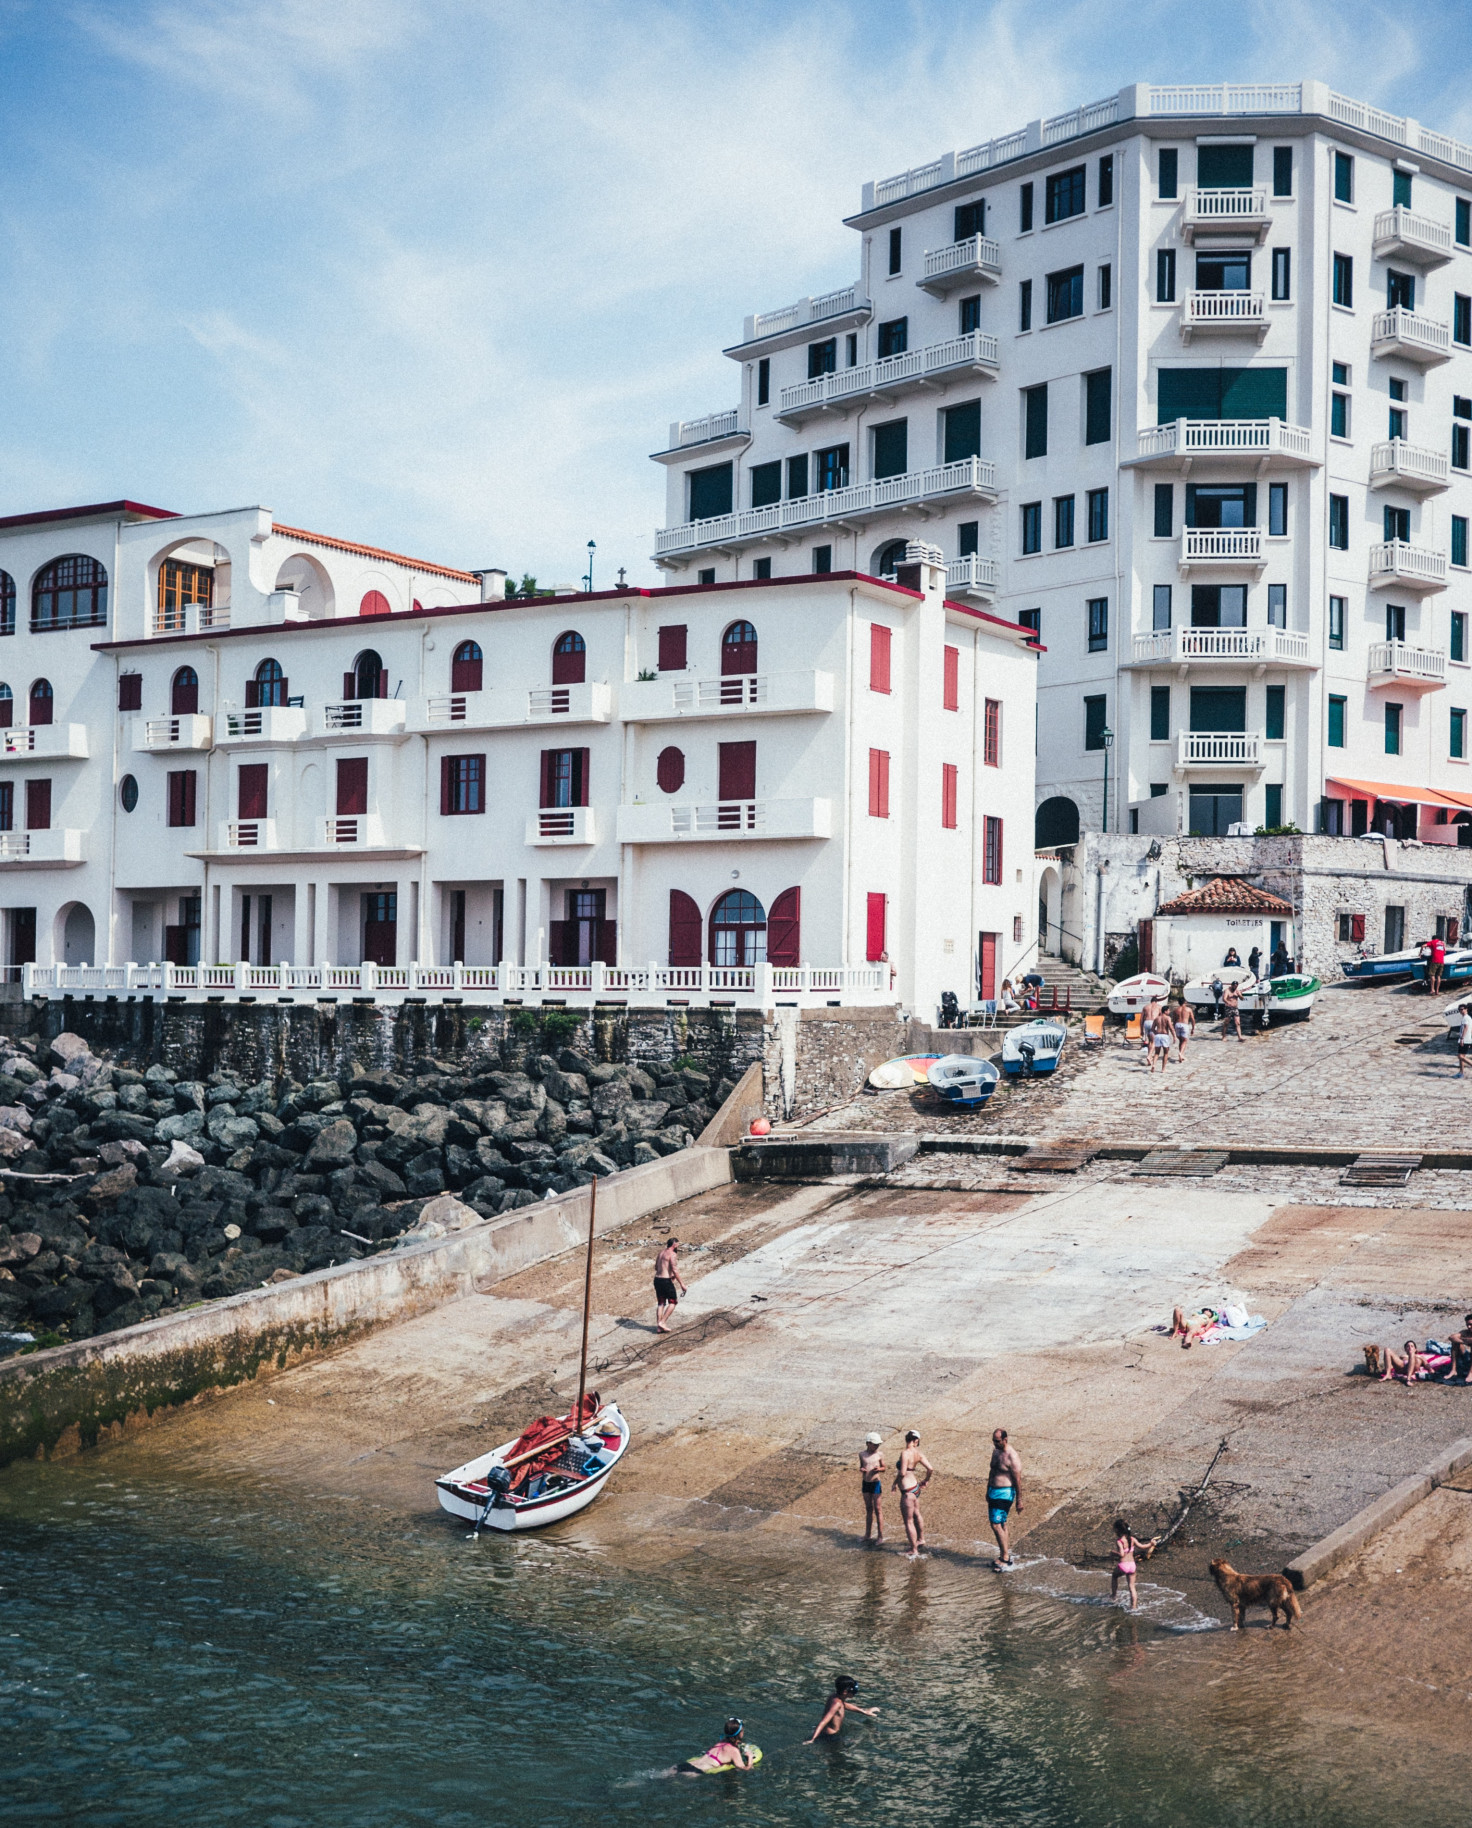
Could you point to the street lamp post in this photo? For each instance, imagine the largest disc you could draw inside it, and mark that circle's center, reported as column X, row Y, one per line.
column 1108, row 745
column 588, row 581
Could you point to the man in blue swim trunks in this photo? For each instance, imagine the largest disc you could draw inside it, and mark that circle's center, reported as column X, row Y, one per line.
column 1003, row 1491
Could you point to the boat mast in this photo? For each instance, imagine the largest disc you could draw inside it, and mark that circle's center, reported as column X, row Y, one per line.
column 577, row 1414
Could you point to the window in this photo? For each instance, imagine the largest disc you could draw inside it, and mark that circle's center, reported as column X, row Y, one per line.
column 1282, row 171
column 710, row 492
column 1339, row 522
column 797, row 477
column 1221, row 504
column 894, row 337
column 1457, row 747
column 950, row 688
column 1224, row 272
column 832, row 468
column 764, row 381
column 891, row 448
column 1098, row 514
column 1221, row 393
column 179, row 585
column 766, row 483
column 467, row 667
column 1105, row 285
column 462, row 784
column 1165, row 276
column 1167, row 170
column 374, row 603
column 991, row 859
column 738, row 652
column 1098, row 624
column 1395, row 622
column 1094, row 722
column 822, row 358
column 41, row 704
column 1035, row 418
column 948, row 781
column 1160, row 607
column 970, row 314
column 184, row 693
column 706, row 575
column 896, row 249
column 1400, row 189
column 1216, row 708
column 69, row 593
column 1400, row 290
column 669, row 770
column 1272, row 796
column 564, row 777
column 1032, row 526
column 1278, row 509
column 878, row 783
column 1459, row 446
column 891, row 557
column 822, row 559
column 1063, row 520
column 130, row 692
column 1224, row 167
column 1339, row 415
column 1392, row 729
column 1338, row 611
column 1459, row 539
column 1024, row 305
column 851, row 350
column 1160, row 714
column 1031, row 619
column 1397, row 524
column 1275, row 715
column 569, row 659
column 1065, row 294
column 874, row 923
column 761, row 568
column 1098, row 402
column 879, row 655
column 127, row 794
column 991, row 746
column 968, row 538
column 1461, row 318
column 1459, row 635
column 1064, row 195
column 1282, row 272
column 7, row 603
column 1464, row 222
column 1165, row 496
column 1106, row 181
column 1218, row 606
column 970, row 220
column 1339, row 373
column 268, row 686
column 1344, row 281
column 673, row 645
column 1277, row 606
column 1024, row 210
column 38, row 806
column 181, row 797
column 1343, row 178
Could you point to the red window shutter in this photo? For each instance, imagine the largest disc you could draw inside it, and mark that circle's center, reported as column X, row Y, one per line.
column 951, row 697
column 251, row 792
column 879, row 637
column 581, row 772
column 986, row 967
column 1356, row 926
column 948, row 795
column 38, row 805
column 875, row 948
column 784, row 929
column 446, row 783
column 7, row 713
column 1453, row 928
column 1145, row 945
column 992, row 741
column 686, row 929
column 352, row 787
column 191, row 784
column 549, row 764
column 253, row 694
column 669, row 770
column 991, row 869
column 557, row 941
column 349, row 686
column 878, row 783
column 374, row 603
column 672, row 643
column 607, row 947
column 737, row 771
column 130, row 692
column 176, row 799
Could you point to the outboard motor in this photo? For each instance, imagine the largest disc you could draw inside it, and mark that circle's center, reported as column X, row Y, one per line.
column 1216, row 990
column 950, row 1009
column 1029, row 1054
column 498, row 1484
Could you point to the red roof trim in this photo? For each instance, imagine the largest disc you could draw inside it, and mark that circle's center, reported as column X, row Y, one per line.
column 982, row 615
column 92, row 512
column 371, row 552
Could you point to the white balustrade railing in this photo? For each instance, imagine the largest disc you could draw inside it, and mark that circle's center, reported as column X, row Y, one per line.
column 975, row 350
column 976, row 254
column 371, row 716
column 1211, row 310
column 805, row 311
column 1221, row 98
column 1410, row 332
column 264, row 723
column 701, row 431
column 1087, row 119
column 1405, row 228
column 190, row 618
column 1275, row 646
column 1218, row 749
column 720, row 816
column 248, row 835
column 1221, row 546
column 353, row 828
column 1396, row 460
column 184, row 732
column 1399, row 661
column 976, row 571
column 1226, row 208
column 1408, row 564
column 1225, row 438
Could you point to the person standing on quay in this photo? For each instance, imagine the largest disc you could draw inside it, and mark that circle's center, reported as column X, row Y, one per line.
column 666, row 1280
column 1232, row 1004
column 909, row 1484
column 1003, row 1492
column 871, row 1484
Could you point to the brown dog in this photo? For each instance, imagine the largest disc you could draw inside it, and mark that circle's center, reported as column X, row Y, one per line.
column 1275, row 1591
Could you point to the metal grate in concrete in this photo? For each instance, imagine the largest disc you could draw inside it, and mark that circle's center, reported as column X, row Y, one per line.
column 1065, row 1155
column 1380, row 1169
column 1182, row 1162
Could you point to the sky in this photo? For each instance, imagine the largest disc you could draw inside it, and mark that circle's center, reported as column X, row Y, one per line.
column 438, row 274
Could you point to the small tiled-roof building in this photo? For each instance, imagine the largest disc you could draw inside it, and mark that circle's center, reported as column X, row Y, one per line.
column 1192, row 933
column 1229, row 895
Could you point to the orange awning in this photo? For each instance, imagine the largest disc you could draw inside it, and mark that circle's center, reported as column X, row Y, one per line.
column 1401, row 795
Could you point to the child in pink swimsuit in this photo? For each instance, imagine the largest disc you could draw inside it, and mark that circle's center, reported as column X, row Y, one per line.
column 1125, row 1545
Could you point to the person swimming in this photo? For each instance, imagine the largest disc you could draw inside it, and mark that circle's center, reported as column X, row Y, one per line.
column 841, row 1703
column 730, row 1752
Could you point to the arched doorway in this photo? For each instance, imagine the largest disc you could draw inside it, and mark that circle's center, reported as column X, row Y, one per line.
column 569, row 659
column 888, row 557
column 738, row 930
column 1050, row 912
column 78, row 935
column 367, row 679
column 1056, row 824
column 184, row 693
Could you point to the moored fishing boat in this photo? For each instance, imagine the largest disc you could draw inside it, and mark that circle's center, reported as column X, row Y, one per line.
column 964, row 1079
column 1130, row 996
column 1035, row 1047
column 549, row 1471
column 1386, row 964
column 1456, row 969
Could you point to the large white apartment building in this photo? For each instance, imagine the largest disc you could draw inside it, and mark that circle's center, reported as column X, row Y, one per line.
column 1183, row 381
column 241, row 759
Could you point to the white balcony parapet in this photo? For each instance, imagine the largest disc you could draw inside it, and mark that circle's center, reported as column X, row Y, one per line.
column 675, row 695
column 860, row 500
column 682, row 822
column 1221, row 546
column 353, row 831
column 977, row 257
column 1415, row 568
column 248, row 835
column 1240, row 312
column 1259, row 440
column 1401, row 234
column 1407, row 333
column 190, row 618
column 703, row 431
column 44, row 743
column 364, row 717
column 1230, row 646
column 805, row 312
column 589, row 703
column 262, row 724
column 1219, row 749
column 975, row 575
column 187, row 732
column 845, row 388
column 60, row 845
column 562, row 825
column 1408, row 466
column 1392, row 662
column 1225, row 212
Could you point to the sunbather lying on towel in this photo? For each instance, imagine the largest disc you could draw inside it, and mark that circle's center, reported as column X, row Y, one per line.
column 1414, row 1364
column 1203, row 1323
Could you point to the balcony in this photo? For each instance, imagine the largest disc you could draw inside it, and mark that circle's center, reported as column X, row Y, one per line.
column 58, row 848
column 1418, row 339
column 562, row 825
column 682, row 823
column 44, row 743
column 973, row 576
column 1236, row 313
column 1264, row 443
column 353, row 831
column 768, row 331
column 847, row 388
column 674, row 696
column 191, row 618
column 1226, row 212
column 262, row 726
column 365, row 717
column 1410, row 669
column 962, row 263
column 159, row 734
column 714, row 432
column 1255, row 647
column 591, row 703
column 1400, row 234
column 248, row 835
column 1218, row 749
column 1413, row 568
column 860, row 501
column 1398, row 465
column 1234, row 547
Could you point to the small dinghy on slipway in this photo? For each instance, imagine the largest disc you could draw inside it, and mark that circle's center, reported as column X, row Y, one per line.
column 903, row 1074
column 1290, row 995
column 1130, row 996
column 964, row 1079
column 1386, row 964
column 1205, row 992
column 1035, row 1047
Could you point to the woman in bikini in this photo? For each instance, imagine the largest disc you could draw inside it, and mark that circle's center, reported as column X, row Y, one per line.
column 871, row 1484
column 842, row 1702
column 1125, row 1545
column 728, row 1752
column 910, row 1485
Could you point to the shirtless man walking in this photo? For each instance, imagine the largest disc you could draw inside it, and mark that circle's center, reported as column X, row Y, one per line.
column 909, row 1484
column 1003, row 1491
column 666, row 1280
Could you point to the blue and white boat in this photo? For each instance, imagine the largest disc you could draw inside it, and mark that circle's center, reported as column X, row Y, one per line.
column 964, row 1079
column 1386, row 964
column 1035, row 1047
column 1456, row 970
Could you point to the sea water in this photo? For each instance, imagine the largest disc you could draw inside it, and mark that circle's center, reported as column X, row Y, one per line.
column 189, row 1651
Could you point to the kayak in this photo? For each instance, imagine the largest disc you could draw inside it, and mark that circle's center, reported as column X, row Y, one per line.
column 964, row 1079
column 1035, row 1047
column 903, row 1073
column 1130, row 997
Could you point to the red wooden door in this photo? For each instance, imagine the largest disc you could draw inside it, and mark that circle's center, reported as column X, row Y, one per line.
column 38, row 805
column 1146, row 946
column 184, row 695
column 784, row 929
column 251, row 802
column 672, row 644
column 686, row 929
column 737, row 771
column 986, row 966
column 877, row 911
column 41, row 701
column 352, row 785
column 738, row 649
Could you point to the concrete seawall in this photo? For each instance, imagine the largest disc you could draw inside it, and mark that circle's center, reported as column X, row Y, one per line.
column 75, row 1395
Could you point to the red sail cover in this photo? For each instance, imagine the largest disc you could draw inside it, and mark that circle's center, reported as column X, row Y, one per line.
column 552, row 1430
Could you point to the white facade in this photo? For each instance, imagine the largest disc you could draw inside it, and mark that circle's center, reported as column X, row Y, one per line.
column 1099, row 359
column 341, row 755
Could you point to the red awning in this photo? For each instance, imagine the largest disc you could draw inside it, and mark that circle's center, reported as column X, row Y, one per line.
column 1400, row 794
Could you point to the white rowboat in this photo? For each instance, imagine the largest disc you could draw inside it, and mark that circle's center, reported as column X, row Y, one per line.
column 575, row 1479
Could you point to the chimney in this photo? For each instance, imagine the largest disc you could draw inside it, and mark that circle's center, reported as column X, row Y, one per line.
column 492, row 585
column 923, row 568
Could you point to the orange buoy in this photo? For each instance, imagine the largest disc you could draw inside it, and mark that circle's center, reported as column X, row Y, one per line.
column 760, row 1127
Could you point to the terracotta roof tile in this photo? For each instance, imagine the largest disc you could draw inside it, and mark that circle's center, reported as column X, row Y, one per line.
column 1227, row 895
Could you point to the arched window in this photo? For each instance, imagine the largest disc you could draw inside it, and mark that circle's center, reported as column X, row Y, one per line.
column 38, row 711
column 181, row 584
column 891, row 556
column 1055, row 823
column 7, row 603
column 374, row 603
column 738, row 649
column 669, row 770
column 466, row 667
column 69, row 593
column 738, row 930
column 7, row 707
column 569, row 659
column 367, row 679
column 184, row 693
column 268, row 687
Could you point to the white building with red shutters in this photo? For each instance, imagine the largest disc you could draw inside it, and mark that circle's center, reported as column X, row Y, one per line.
column 241, row 759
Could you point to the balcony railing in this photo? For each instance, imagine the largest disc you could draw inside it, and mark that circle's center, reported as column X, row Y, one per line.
column 976, row 575
column 806, row 311
column 187, row 732
column 1410, row 466
column 1414, row 567
column 1221, row 546
column 662, row 823
column 263, row 724
column 1219, row 749
column 562, row 825
column 248, row 835
column 1401, row 234
column 1394, row 661
column 360, row 830
column 859, row 501
column 1227, row 646
column 365, row 716
column 977, row 257
column 1220, row 212
column 1229, row 311
column 1407, row 333
column 589, row 703
column 58, row 845
column 1260, row 440
column 772, row 694
column 190, row 618
column 896, row 374
column 702, row 431
column 44, row 742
